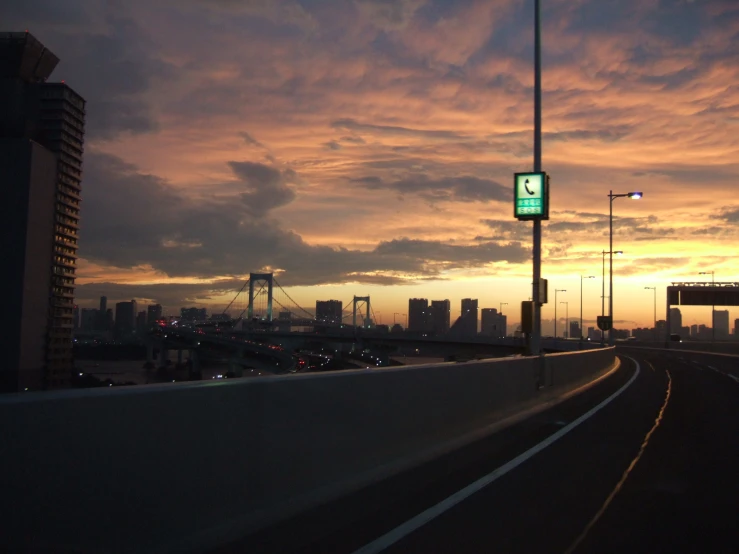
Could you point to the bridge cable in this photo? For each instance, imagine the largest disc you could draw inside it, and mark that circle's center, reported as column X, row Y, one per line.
column 235, row 297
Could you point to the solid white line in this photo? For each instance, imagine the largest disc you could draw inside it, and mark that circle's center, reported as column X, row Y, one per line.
column 405, row 529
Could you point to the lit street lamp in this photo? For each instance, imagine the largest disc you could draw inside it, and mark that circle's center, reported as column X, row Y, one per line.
column 612, row 197
column 581, row 278
column 655, row 309
column 713, row 308
column 555, row 309
column 567, row 318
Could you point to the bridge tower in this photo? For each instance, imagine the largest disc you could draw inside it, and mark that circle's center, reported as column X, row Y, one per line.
column 265, row 278
column 367, row 320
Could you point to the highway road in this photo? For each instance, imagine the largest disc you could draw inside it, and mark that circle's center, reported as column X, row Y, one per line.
column 645, row 461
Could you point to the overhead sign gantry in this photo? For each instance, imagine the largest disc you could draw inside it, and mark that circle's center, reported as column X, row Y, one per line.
column 701, row 294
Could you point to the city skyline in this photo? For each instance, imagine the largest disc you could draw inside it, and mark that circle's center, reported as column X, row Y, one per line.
column 370, row 149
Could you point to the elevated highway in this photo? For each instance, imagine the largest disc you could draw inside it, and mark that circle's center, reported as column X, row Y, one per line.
column 566, row 453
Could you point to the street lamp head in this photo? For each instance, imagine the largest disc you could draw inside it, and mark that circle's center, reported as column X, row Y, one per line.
column 634, row 195
column 619, row 252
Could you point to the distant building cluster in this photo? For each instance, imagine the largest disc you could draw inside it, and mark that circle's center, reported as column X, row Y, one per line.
column 434, row 319
column 127, row 320
column 702, row 332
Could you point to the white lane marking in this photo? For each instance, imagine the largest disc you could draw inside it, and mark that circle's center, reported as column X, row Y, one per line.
column 405, row 529
column 729, row 375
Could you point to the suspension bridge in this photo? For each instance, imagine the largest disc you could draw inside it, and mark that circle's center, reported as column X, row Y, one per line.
column 262, row 295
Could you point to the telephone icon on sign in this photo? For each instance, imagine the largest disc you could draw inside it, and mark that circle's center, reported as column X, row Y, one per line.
column 526, row 186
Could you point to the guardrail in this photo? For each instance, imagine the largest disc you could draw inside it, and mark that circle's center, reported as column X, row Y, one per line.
column 158, row 468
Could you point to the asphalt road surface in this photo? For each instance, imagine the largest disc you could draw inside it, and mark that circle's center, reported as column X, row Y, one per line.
column 646, row 461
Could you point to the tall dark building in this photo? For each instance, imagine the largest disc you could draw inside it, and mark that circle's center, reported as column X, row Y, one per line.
column 721, row 324
column 41, row 145
column 676, row 320
column 329, row 311
column 153, row 313
column 492, row 323
column 469, row 316
column 574, row 330
column 440, row 314
column 193, row 314
column 418, row 314
column 125, row 318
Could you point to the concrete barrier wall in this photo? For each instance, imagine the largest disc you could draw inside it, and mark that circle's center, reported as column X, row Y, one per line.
column 160, row 467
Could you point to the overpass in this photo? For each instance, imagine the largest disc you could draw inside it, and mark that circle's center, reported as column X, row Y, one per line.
column 570, row 452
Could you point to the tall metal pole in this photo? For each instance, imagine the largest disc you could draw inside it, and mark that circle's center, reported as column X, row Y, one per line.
column 713, row 307
column 555, row 313
column 610, row 268
column 603, row 287
column 655, row 313
column 536, row 331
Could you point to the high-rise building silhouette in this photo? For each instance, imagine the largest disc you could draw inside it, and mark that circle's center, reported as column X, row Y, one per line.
column 41, row 145
column 418, row 315
column 721, row 323
column 676, row 320
column 492, row 323
column 469, row 316
column 125, row 318
column 440, row 314
column 329, row 311
column 194, row 314
column 153, row 313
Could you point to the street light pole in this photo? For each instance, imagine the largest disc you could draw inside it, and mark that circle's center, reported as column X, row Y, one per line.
column 655, row 309
column 567, row 318
column 555, row 310
column 612, row 197
column 581, row 278
column 535, row 341
column 603, row 281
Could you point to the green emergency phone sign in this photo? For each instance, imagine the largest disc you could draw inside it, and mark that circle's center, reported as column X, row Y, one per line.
column 531, row 196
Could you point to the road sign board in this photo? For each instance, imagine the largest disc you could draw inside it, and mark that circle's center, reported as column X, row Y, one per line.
column 605, row 323
column 531, row 196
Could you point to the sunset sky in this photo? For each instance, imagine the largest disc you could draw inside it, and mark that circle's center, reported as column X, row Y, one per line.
column 368, row 147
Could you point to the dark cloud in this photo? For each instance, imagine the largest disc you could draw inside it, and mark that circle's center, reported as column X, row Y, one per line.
column 467, row 256
column 393, row 130
column 609, row 134
column 250, row 140
column 465, row 188
column 353, row 140
column 134, row 219
column 171, row 296
column 729, row 215
column 113, row 72
column 267, row 187
column 332, row 145
column 389, row 14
